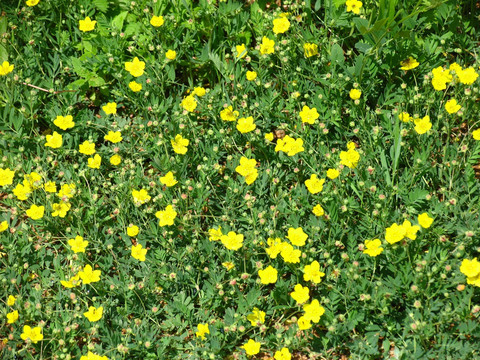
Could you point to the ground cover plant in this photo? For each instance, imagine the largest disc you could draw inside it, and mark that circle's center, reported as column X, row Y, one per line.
column 239, row 180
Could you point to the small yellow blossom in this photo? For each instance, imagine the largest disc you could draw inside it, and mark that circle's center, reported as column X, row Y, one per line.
column 232, row 240
column 452, row 107
column 113, row 137
column 424, row 220
column 228, row 114
column 87, row 24
column 300, row 294
column 167, row 216
column 241, row 51
column 171, row 54
column 310, row 49
column 12, row 317
column 33, row 334
column 409, row 64
column 6, row 68
column 132, row 230
column 267, row 46
column 169, row 179
column 268, row 275
column 136, row 68
column 134, row 86
column 355, row 94
column 373, row 247
column 78, row 245
column 95, row 162
column 312, row 272
column 64, row 122
column 180, row 144
column 245, row 125
column 115, row 160
column 138, row 252
column 110, row 108
column 157, row 21
column 88, row 275
column 54, row 141
column 257, row 317
column 94, row 314
column 35, row 212
column 251, row 347
column 202, row 330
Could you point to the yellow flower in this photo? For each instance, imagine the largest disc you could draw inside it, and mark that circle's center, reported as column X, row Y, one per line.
column 424, row 220
column 475, row 135
column 355, row 94
column 268, row 275
column 313, row 311
column 281, row 25
column 88, row 275
column 67, row 190
column 241, row 51
column 409, row 64
column 6, row 176
column 257, row 317
column 35, row 212
column 95, row 162
column 94, row 314
column 138, row 252
column 289, row 145
column 353, row 6
column 171, row 54
column 318, row 210
column 247, row 168
column 410, row 231
column 470, row 268
column 54, row 141
column 32, row 2
column 6, row 68
column 314, row 185
column 269, row 137
column 110, row 108
column 452, row 107
column 166, row 216
column 232, row 241
column 309, row 115
column 50, row 187
column 304, row 323
column 395, row 233
column 422, row 125
column 92, row 356
column 12, row 317
column 404, row 117
column 3, row 226
column 440, row 78
column 180, row 144
column 73, row 282
column 202, row 330
column 87, row 24
column 61, row 209
column 132, row 230
column 289, row 254
column 251, row 75
column 312, row 273
column 11, row 300
column 215, row 234
column 467, row 76
column 134, row 86
column 35, row 335
column 157, row 21
column 333, row 173
column 296, row 236
column 199, row 91
column 189, row 103
column 87, row 148
column 228, row 265
column 168, row 180
column 267, row 46
column 245, row 125
column 64, row 122
column 115, row 160
column 351, row 157
column 283, row 354
column 78, row 244
column 373, row 247
column 140, row 196
column 136, row 67
column 310, row 49
column 114, row 137
column 251, row 347
column 300, row 294
column 228, row 114
column 22, row 191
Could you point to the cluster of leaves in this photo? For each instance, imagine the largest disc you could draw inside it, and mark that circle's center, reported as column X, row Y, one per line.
column 411, row 301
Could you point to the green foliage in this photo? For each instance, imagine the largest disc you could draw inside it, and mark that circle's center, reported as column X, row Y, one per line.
column 411, row 301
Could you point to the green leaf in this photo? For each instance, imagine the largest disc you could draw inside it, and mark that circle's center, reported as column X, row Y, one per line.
column 117, row 22
column 336, row 55
column 101, row 5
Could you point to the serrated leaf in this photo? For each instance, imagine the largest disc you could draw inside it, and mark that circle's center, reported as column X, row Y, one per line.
column 101, row 5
